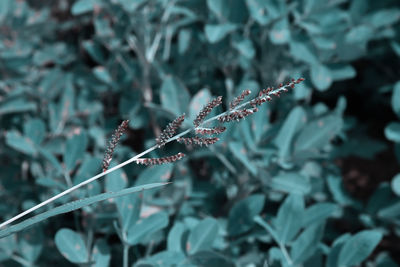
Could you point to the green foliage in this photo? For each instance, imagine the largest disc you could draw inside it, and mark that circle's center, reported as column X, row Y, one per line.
column 276, row 190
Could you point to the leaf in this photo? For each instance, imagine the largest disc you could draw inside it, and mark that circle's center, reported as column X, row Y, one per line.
column 215, row 33
column 341, row 72
column 291, row 183
column 321, row 77
column 101, row 254
column 319, row 212
column 75, row 148
column 146, row 227
column 16, row 105
column 175, row 235
column 199, row 100
column 316, row 134
column 384, row 17
column 154, row 174
column 31, row 243
column 303, row 52
column 71, row 246
column 288, row 220
column 241, row 216
column 103, row 75
column 280, row 32
column 391, row 211
column 359, row 34
column 174, row 95
column 116, row 180
column 294, row 121
column 35, row 130
column 83, row 6
column 245, row 47
column 392, row 132
column 396, row 184
column 307, row 243
column 359, row 247
column 210, row 258
column 74, row 205
column 129, row 209
column 396, row 99
column 240, row 152
column 202, row 236
column 20, row 143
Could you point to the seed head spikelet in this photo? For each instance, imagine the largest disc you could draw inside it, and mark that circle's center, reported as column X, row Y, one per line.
column 170, row 130
column 113, row 144
column 206, row 110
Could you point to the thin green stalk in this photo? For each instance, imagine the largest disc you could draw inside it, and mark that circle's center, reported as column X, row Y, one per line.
column 126, row 255
column 133, row 159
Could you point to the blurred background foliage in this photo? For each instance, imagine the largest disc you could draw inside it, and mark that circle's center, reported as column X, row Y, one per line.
column 317, row 169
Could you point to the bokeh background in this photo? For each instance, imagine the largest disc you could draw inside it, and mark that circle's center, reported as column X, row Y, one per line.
column 318, row 167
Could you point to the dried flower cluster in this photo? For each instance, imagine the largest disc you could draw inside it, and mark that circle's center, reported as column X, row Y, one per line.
column 200, row 141
column 237, row 115
column 237, row 100
column 113, row 144
column 159, row 161
column 169, row 131
column 210, row 131
column 206, row 110
column 237, row 111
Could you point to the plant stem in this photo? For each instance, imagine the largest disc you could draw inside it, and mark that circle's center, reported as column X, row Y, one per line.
column 126, row 255
column 133, row 159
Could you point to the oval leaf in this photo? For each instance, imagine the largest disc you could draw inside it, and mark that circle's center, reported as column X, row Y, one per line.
column 71, row 246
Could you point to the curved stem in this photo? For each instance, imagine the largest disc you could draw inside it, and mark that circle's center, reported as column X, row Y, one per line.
column 135, row 158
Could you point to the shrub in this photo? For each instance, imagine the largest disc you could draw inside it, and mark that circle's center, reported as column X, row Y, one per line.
column 271, row 190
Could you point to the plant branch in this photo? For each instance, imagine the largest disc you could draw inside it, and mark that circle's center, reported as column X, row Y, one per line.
column 265, row 97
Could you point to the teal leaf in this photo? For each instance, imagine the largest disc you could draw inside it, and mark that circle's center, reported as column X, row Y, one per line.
column 154, row 174
column 71, row 246
column 101, row 254
column 396, row 184
column 75, row 148
column 210, row 258
column 174, row 95
column 16, row 105
column 333, row 256
column 129, row 207
column 199, row 100
column 303, row 52
column 175, row 236
column 288, row 220
column 146, row 227
column 307, row 243
column 321, row 77
column 116, row 180
column 215, row 33
column 359, row 247
column 31, row 243
column 102, row 74
column 280, row 32
column 245, row 47
column 384, row 17
column 396, row 99
column 359, row 34
column 94, row 50
column 74, row 205
column 341, row 72
column 83, row 6
column 240, row 152
column 318, row 213
column 291, row 183
column 35, row 130
column 241, row 216
column 20, row 143
column 316, row 134
column 202, row 236
column 341, row 196
column 392, row 132
column 294, row 121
